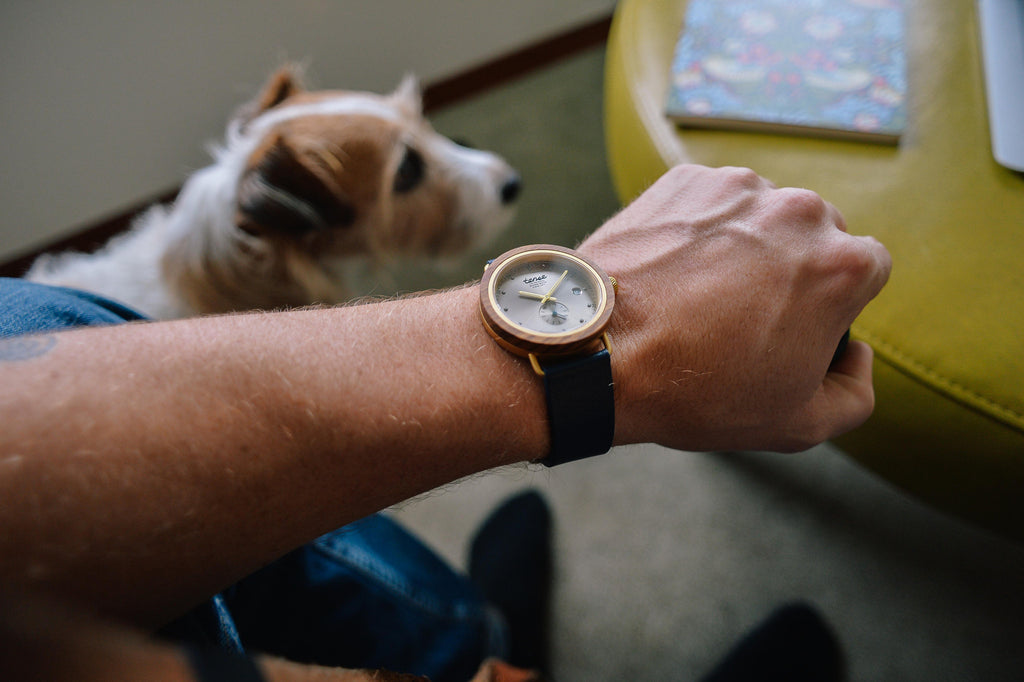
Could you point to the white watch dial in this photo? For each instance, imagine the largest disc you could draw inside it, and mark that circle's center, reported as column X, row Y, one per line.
column 552, row 295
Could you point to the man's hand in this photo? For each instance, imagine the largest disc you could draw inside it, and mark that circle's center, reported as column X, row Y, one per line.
column 732, row 297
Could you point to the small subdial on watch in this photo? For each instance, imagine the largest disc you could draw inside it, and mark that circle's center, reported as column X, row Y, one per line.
column 554, row 313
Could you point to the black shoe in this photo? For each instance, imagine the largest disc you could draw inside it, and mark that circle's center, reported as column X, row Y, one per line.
column 794, row 644
column 510, row 561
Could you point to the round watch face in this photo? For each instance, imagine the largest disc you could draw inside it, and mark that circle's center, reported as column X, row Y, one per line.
column 545, row 299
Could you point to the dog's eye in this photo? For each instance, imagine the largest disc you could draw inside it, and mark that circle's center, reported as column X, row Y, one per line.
column 410, row 171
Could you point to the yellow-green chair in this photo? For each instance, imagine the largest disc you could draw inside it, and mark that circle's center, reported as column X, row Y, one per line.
column 948, row 330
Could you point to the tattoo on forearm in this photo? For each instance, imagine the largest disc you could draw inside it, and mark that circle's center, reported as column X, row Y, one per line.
column 21, row 348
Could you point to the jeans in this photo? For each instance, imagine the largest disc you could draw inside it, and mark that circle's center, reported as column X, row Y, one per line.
column 369, row 595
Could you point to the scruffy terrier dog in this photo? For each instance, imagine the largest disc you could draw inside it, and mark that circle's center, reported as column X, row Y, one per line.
column 304, row 183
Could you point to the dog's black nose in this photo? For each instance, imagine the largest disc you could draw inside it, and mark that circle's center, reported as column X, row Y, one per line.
column 511, row 189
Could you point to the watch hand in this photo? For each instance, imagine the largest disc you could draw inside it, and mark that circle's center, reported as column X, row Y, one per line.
column 539, row 297
column 547, row 296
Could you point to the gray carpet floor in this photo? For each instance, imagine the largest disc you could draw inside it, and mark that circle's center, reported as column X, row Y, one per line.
column 665, row 558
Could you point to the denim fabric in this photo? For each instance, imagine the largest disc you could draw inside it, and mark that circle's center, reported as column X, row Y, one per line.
column 30, row 308
column 369, row 595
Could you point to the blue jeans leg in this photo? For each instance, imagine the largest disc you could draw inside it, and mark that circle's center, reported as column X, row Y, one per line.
column 368, row 596
column 30, row 308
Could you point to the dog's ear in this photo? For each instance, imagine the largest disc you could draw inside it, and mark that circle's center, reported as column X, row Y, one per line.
column 281, row 85
column 281, row 193
column 408, row 96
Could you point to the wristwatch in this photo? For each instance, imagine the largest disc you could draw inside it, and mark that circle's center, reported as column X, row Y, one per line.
column 551, row 305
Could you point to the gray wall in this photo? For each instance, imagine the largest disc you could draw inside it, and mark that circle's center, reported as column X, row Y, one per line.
column 107, row 103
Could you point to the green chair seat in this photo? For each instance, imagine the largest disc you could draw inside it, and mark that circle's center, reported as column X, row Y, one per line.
column 948, row 330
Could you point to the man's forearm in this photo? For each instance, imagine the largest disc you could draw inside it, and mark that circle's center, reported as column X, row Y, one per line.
column 143, row 469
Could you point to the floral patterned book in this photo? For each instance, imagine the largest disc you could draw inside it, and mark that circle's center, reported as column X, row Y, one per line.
column 834, row 68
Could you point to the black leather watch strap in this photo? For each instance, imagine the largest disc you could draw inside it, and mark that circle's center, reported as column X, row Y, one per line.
column 581, row 407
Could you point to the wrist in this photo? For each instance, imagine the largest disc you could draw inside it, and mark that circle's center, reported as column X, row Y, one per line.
column 515, row 415
column 631, row 426
column 552, row 305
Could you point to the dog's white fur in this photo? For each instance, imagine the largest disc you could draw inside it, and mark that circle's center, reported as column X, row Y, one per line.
column 304, row 182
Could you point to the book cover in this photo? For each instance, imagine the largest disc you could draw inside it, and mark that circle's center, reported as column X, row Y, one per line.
column 834, row 68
